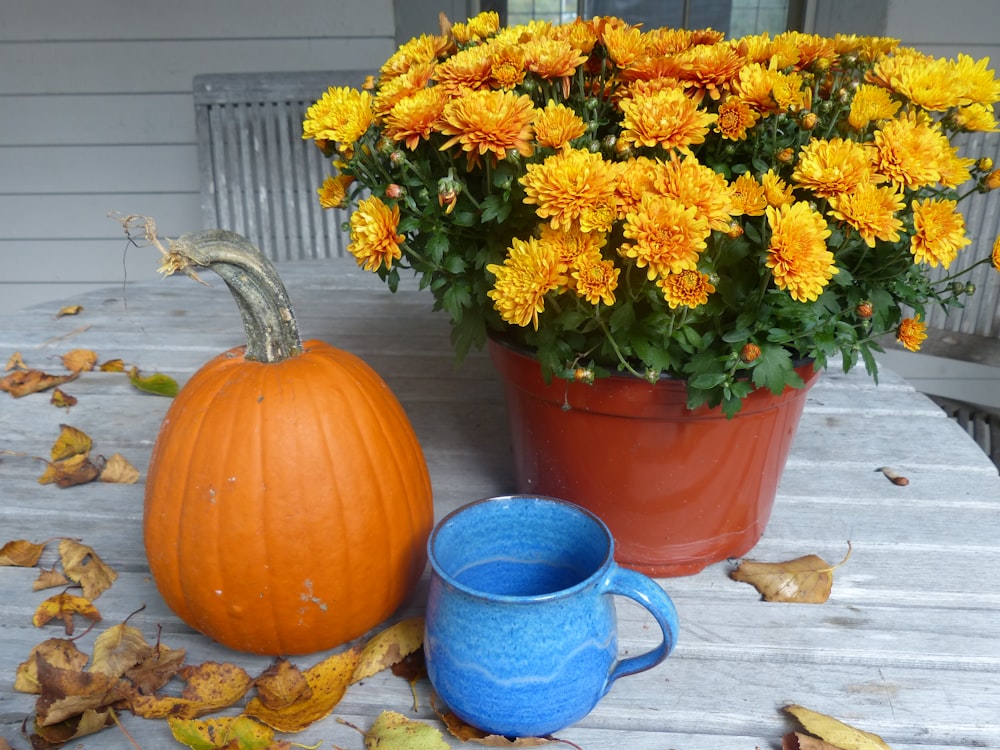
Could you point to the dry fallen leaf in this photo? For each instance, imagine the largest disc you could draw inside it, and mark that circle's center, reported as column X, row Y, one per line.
column 156, row 670
column 118, row 649
column 24, row 382
column 69, row 472
column 804, row 580
column 201, row 734
column 328, row 681
column 79, row 360
column 48, row 579
column 112, row 365
column 69, row 310
column 89, row 722
column 66, row 693
column 281, row 685
column 210, row 687
column 799, row 741
column 83, row 566
column 393, row 731
column 390, row 646
column 468, row 733
column 64, row 606
column 16, row 362
column 59, row 652
column 119, row 471
column 21, row 553
column 71, row 442
column 62, row 400
column 836, row 732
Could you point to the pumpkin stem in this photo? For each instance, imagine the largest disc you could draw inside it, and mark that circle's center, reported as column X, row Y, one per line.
column 272, row 333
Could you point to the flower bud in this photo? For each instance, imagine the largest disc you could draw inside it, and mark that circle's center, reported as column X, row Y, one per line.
column 808, row 119
column 864, row 310
column 583, row 375
column 395, row 191
column 970, row 289
column 985, row 164
column 992, row 180
column 652, row 375
column 749, row 352
column 397, row 158
column 735, row 230
column 786, row 155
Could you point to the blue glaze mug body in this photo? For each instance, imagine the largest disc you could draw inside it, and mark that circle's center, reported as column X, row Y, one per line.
column 521, row 632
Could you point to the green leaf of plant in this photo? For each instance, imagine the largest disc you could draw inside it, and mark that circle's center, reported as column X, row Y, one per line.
column 209, row 734
column 158, row 383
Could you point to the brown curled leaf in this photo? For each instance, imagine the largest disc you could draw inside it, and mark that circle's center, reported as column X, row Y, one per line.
column 804, row 580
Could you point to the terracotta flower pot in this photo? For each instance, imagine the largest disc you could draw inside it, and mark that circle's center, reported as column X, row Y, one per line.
column 680, row 489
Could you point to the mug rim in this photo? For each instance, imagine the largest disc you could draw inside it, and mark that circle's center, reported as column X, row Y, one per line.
column 600, row 571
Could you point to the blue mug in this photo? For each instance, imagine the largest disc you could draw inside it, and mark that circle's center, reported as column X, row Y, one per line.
column 521, row 632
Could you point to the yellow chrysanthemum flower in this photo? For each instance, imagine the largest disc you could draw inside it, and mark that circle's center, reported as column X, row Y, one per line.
column 995, row 257
column 637, row 177
column 595, row 278
column 797, row 255
column 394, row 90
column 686, row 289
column 699, row 186
column 976, row 118
column 342, row 115
column 710, row 69
column 557, row 125
column 414, row 118
column 735, row 118
column 572, row 242
column 531, row 270
column 374, row 239
column 831, row 167
column 749, row 196
column 939, row 232
column 667, row 118
column 479, row 27
column 871, row 209
column 777, row 192
column 667, row 236
column 422, row 49
column 507, row 66
column 625, row 44
column 333, row 192
column 488, row 122
column 569, row 184
column 871, row 104
column 907, row 150
column 911, row 333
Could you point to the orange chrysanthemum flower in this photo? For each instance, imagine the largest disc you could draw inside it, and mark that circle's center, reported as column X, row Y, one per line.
column 557, row 125
column 394, row 90
column 871, row 209
column 871, row 104
column 469, row 69
column 749, row 196
column 414, row 118
column 479, row 27
column 995, row 257
column 625, row 44
column 667, row 236
column 374, row 239
column 342, row 115
column 710, row 69
column 667, row 118
column 422, row 49
column 531, row 270
column 797, row 255
column 333, row 192
column 735, row 118
column 488, row 122
column 908, row 151
column 569, row 186
column 572, row 242
column 686, row 289
column 911, row 333
column 831, row 167
column 595, row 279
column 939, row 232
column 553, row 59
column 637, row 177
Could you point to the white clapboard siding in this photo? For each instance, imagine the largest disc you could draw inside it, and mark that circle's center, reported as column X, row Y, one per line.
column 96, row 116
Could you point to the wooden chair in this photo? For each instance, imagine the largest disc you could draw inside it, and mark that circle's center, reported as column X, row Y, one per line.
column 258, row 176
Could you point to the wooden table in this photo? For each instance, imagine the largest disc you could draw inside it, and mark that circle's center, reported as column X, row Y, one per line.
column 907, row 647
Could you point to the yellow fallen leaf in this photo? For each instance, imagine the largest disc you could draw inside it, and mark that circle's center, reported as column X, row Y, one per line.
column 71, row 442
column 79, row 360
column 112, row 365
column 69, row 310
column 800, row 741
column 118, row 470
column 83, row 566
column 836, row 732
column 21, row 553
column 199, row 734
column 393, row 731
column 210, row 687
column 328, row 681
column 389, row 647
column 64, row 606
column 281, row 685
column 59, row 652
column 804, row 580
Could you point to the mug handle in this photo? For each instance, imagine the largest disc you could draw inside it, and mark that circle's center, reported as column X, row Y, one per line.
column 642, row 589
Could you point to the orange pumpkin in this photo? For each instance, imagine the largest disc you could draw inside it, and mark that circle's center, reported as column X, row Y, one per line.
column 287, row 501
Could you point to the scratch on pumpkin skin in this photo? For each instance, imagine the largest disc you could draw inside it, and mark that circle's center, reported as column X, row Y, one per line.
column 308, row 596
